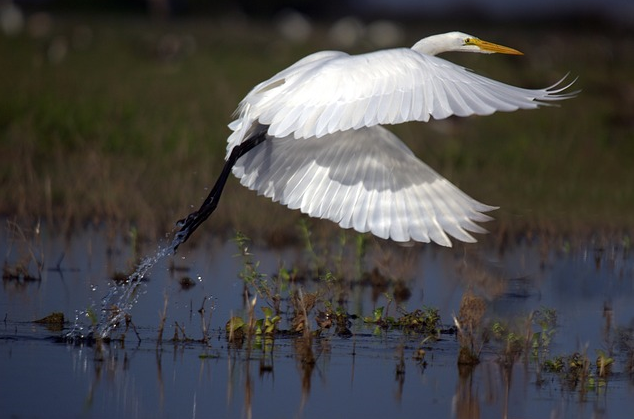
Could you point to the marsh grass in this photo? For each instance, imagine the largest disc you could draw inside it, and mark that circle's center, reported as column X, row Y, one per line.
column 128, row 127
column 25, row 248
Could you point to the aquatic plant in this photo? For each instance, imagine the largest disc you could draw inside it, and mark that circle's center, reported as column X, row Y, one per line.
column 425, row 321
column 546, row 319
column 29, row 249
column 249, row 274
column 512, row 339
column 53, row 322
column 469, row 324
column 258, row 332
column 573, row 370
column 577, row 373
column 603, row 364
column 235, row 329
column 162, row 320
column 205, row 323
column 302, row 304
column 339, row 318
column 316, row 263
column 270, row 289
column 267, row 325
column 182, row 337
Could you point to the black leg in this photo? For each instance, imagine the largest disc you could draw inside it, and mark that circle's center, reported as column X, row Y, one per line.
column 189, row 224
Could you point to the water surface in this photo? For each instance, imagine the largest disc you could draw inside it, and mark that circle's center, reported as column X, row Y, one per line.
column 373, row 373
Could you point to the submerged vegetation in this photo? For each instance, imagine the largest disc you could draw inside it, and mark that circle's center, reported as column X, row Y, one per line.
column 307, row 313
column 300, row 305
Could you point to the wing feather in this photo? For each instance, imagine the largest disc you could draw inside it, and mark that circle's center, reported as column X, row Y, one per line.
column 365, row 179
column 327, row 155
column 333, row 91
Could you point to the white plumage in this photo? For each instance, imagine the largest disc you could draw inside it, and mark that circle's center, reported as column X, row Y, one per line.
column 327, row 154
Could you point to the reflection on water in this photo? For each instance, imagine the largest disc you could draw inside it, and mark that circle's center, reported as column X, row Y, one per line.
column 501, row 301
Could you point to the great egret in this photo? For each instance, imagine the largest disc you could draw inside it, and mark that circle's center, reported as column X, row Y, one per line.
column 311, row 138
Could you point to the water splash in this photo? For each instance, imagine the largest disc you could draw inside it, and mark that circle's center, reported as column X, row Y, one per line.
column 120, row 299
column 116, row 305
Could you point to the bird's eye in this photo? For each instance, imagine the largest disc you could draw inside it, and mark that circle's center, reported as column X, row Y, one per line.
column 467, row 41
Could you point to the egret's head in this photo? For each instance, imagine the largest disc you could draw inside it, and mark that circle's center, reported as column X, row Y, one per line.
column 473, row 44
column 459, row 41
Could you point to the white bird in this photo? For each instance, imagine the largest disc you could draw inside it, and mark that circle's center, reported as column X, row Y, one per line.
column 311, row 138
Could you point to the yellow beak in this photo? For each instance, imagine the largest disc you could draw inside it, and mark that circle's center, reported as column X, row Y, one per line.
column 491, row 47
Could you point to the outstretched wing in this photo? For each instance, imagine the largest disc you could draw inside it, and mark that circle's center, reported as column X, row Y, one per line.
column 365, row 179
column 333, row 91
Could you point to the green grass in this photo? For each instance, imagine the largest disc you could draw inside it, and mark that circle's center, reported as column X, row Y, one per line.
column 117, row 132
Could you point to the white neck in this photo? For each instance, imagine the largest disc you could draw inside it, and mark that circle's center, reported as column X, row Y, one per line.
column 431, row 45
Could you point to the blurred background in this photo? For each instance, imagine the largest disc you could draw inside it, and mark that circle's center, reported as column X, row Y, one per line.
column 399, row 9
column 114, row 112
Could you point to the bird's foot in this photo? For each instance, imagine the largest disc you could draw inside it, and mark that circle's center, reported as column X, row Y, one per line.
column 183, row 222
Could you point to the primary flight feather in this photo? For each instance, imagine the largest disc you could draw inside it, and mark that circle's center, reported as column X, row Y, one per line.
column 311, row 138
